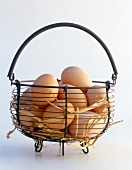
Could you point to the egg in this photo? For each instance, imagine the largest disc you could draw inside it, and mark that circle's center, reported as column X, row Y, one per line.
column 87, row 124
column 26, row 119
column 94, row 95
column 41, row 95
column 27, row 104
column 78, row 125
column 28, row 111
column 97, row 93
column 74, row 96
column 76, row 76
column 29, row 115
column 54, row 115
column 97, row 126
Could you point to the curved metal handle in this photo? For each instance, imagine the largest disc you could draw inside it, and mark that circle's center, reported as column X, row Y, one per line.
column 66, row 24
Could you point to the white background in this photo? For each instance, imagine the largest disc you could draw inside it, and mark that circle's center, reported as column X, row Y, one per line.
column 51, row 52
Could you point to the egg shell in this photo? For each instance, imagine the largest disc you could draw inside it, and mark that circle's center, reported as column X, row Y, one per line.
column 97, row 93
column 55, row 117
column 78, row 125
column 76, row 76
column 74, row 96
column 40, row 95
column 87, row 124
column 24, row 98
column 96, row 126
column 27, row 104
column 26, row 121
column 94, row 95
column 37, row 111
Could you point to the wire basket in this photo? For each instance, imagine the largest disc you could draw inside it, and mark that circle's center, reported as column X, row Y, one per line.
column 59, row 120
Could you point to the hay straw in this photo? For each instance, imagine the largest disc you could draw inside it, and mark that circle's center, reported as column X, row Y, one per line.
column 43, row 132
column 10, row 132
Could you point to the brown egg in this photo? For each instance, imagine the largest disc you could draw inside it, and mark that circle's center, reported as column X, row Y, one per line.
column 30, row 115
column 74, row 96
column 27, row 104
column 26, row 119
column 27, row 107
column 97, row 126
column 76, row 76
column 40, row 95
column 37, row 111
column 54, row 115
column 25, row 99
column 78, row 125
column 87, row 124
column 95, row 95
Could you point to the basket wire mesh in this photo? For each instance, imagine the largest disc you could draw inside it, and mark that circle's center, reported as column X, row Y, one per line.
column 60, row 124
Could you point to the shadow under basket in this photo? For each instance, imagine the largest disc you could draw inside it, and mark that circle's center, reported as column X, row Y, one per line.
column 69, row 118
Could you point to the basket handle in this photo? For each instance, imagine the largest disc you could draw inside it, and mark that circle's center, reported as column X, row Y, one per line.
column 48, row 27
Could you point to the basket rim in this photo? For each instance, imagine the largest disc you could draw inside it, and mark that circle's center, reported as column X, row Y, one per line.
column 23, row 83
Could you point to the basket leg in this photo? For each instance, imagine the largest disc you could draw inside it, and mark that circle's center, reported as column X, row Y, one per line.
column 85, row 150
column 38, row 146
column 63, row 148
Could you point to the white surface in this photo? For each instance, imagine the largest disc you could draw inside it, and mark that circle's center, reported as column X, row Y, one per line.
column 111, row 20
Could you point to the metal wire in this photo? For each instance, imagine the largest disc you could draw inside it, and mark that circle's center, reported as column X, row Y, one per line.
column 23, row 109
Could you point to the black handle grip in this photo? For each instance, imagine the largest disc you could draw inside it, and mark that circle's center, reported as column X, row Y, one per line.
column 66, row 24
